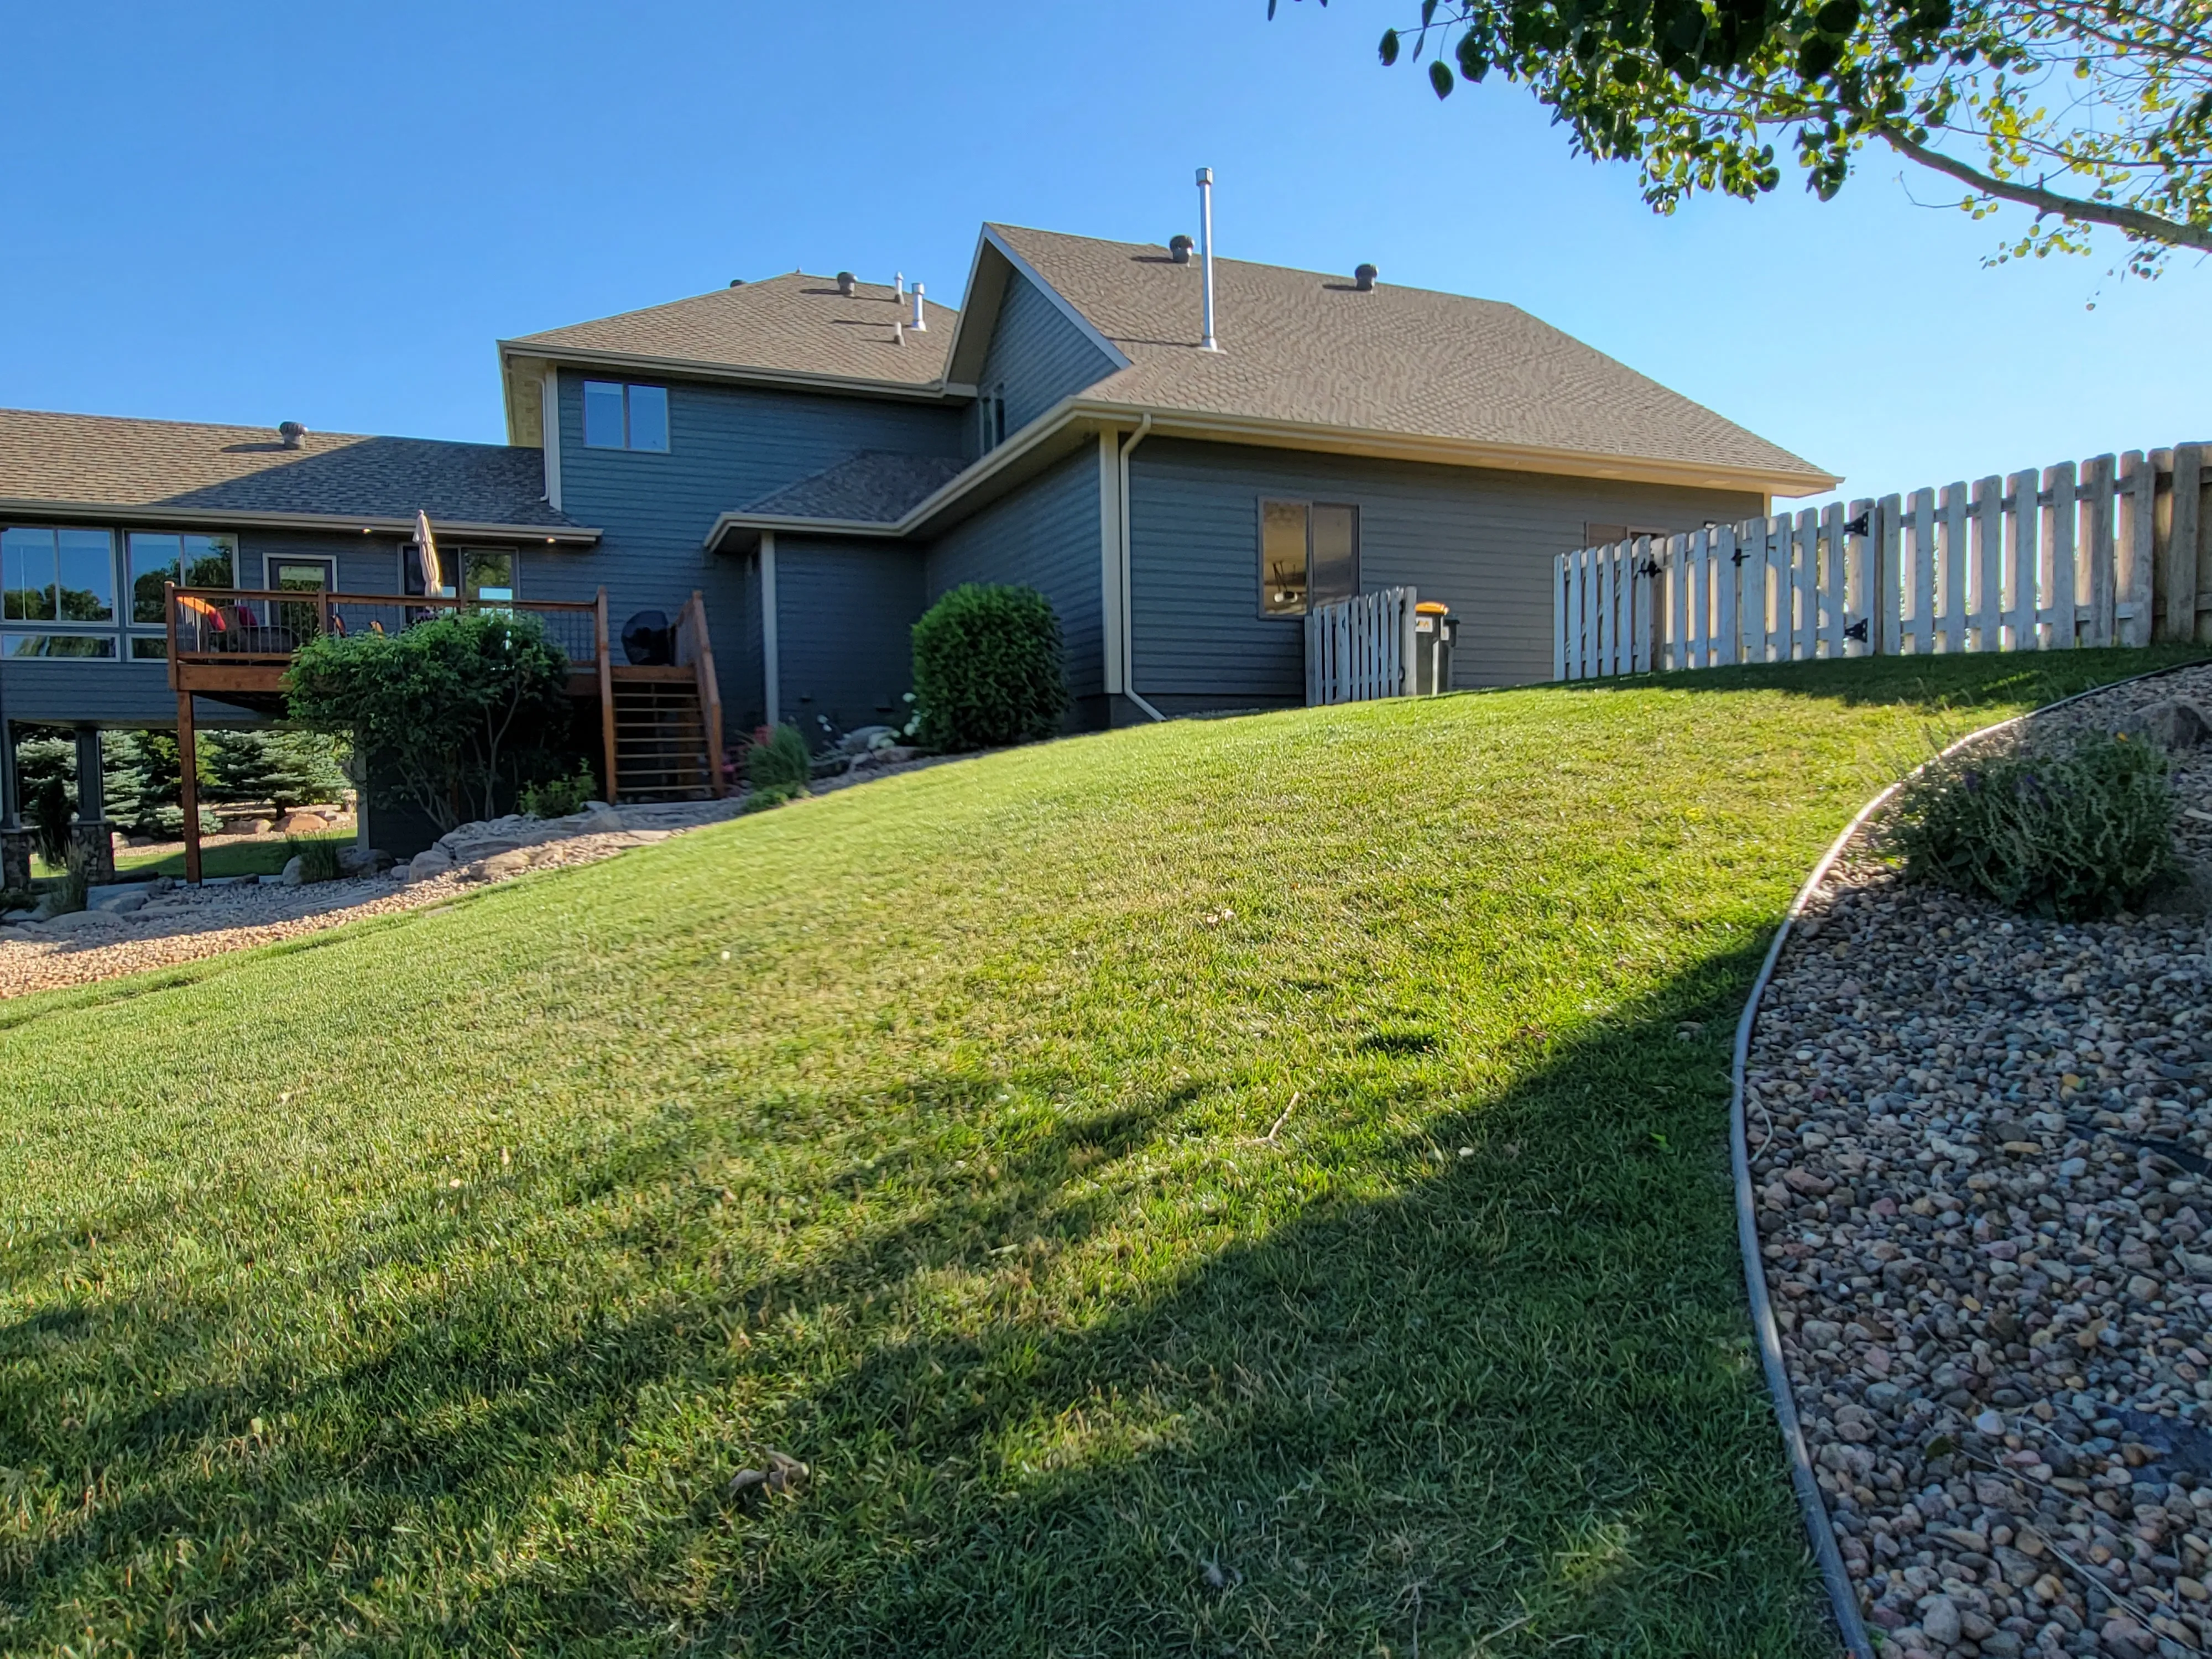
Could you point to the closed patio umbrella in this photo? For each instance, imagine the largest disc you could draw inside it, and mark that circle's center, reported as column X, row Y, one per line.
column 434, row 579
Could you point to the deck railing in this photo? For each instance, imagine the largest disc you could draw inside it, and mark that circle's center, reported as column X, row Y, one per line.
column 695, row 650
column 249, row 627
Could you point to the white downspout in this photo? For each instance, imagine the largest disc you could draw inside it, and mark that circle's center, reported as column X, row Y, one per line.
column 1129, row 645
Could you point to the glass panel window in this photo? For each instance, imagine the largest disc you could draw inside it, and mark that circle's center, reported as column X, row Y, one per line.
column 211, row 560
column 1283, row 558
column 58, row 645
column 1335, row 572
column 619, row 416
column 157, row 557
column 649, row 418
column 1309, row 555
column 86, row 575
column 157, row 560
column 488, row 574
column 603, row 416
column 149, row 648
column 28, row 567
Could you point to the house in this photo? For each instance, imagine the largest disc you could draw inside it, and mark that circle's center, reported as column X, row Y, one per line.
column 816, row 458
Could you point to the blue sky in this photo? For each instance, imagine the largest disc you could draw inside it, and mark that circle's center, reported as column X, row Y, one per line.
column 328, row 214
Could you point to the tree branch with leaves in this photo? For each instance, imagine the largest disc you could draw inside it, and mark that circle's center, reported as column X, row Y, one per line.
column 2093, row 115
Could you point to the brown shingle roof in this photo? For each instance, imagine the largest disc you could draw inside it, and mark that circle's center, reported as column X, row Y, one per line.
column 105, row 461
column 794, row 325
column 873, row 486
column 1305, row 348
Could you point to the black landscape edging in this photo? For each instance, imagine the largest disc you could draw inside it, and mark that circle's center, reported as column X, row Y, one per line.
column 1843, row 1594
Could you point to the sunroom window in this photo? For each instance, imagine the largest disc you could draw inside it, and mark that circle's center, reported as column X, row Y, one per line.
column 158, row 558
column 58, row 575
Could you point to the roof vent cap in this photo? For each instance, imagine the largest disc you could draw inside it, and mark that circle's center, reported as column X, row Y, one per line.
column 737, row 282
column 1363, row 278
column 1179, row 250
column 293, row 434
column 845, row 283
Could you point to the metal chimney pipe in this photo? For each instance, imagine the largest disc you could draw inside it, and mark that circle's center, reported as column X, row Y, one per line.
column 898, row 287
column 1205, row 250
column 921, row 320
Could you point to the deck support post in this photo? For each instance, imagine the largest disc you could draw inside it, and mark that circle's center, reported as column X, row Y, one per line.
column 188, row 758
column 603, row 651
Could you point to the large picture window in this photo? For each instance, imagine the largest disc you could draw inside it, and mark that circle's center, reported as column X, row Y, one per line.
column 619, row 416
column 58, row 575
column 1308, row 556
column 159, row 558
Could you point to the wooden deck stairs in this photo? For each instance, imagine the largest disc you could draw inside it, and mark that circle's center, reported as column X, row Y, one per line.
column 661, row 736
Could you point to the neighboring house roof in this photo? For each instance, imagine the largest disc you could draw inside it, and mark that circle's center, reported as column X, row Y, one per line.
column 796, row 325
column 1305, row 349
column 188, row 471
column 874, row 485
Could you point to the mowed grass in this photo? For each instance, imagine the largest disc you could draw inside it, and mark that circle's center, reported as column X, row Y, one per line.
column 419, row 1287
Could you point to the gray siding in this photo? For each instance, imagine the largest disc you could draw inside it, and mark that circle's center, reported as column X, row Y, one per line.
column 844, row 616
column 1482, row 542
column 1044, row 535
column 1037, row 355
column 728, row 446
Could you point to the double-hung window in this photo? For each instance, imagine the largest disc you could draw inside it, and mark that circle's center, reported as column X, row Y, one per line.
column 620, row 417
column 60, row 582
column 1308, row 556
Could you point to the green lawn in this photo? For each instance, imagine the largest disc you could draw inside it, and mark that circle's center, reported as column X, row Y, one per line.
column 234, row 858
column 419, row 1287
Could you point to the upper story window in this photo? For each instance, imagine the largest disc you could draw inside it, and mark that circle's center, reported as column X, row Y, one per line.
column 619, row 416
column 158, row 558
column 1308, row 556
column 58, row 575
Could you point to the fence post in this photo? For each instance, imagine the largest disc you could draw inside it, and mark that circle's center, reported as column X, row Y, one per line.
column 1677, row 601
column 1886, row 634
column 1853, row 555
column 2024, row 591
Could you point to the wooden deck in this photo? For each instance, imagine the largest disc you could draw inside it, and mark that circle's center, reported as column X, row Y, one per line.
column 236, row 646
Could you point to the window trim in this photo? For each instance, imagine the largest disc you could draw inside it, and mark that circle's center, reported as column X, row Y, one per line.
column 627, row 446
column 1260, row 553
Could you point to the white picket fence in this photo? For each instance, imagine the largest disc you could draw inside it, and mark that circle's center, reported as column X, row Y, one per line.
column 2105, row 553
column 1361, row 647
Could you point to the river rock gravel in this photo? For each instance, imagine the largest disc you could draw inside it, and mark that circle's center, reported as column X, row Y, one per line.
column 1978, row 1146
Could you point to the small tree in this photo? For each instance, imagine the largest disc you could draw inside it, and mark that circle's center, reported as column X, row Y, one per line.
column 987, row 668
column 446, row 714
column 287, row 768
column 46, row 776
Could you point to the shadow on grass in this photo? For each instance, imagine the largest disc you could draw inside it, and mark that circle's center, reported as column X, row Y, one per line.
column 1509, row 1401
column 1940, row 681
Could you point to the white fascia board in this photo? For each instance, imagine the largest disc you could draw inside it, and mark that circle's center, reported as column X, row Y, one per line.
column 930, row 391
column 1454, row 452
column 1061, row 302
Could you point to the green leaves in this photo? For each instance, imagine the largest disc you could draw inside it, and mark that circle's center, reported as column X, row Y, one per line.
column 1696, row 93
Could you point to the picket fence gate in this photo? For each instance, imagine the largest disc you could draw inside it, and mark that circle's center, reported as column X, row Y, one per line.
column 2117, row 551
column 1360, row 648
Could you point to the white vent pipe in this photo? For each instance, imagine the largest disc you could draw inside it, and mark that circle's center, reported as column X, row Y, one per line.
column 1205, row 250
column 920, row 320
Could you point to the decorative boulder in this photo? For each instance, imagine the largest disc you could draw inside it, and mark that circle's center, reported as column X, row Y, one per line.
column 2174, row 724
column 305, row 823
column 428, row 866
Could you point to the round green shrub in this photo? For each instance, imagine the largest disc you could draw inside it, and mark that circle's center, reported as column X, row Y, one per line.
column 986, row 669
column 2076, row 834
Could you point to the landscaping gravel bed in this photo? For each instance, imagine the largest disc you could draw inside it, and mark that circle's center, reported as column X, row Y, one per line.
column 1979, row 1144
